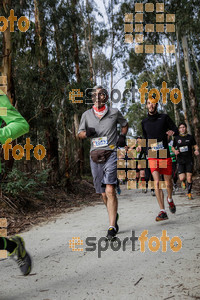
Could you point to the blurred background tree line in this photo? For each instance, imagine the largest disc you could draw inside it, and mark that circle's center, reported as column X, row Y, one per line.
column 74, row 44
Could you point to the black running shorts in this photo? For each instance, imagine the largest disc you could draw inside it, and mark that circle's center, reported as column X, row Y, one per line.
column 187, row 167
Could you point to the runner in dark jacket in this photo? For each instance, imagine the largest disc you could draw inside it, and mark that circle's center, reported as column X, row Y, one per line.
column 156, row 129
column 183, row 147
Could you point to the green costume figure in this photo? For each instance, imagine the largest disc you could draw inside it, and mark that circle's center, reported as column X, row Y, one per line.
column 15, row 127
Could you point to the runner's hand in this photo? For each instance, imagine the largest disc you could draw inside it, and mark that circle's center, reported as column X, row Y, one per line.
column 126, row 148
column 177, row 152
column 90, row 131
column 138, row 149
column 170, row 132
column 121, row 141
column 196, row 152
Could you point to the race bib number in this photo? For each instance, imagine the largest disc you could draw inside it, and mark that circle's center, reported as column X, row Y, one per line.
column 157, row 146
column 183, row 149
column 100, row 142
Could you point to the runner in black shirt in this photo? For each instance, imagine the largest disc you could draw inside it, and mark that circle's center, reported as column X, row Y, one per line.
column 156, row 129
column 183, row 147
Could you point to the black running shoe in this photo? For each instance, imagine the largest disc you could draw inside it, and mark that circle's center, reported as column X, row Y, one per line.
column 161, row 216
column 116, row 225
column 172, row 206
column 23, row 258
column 111, row 233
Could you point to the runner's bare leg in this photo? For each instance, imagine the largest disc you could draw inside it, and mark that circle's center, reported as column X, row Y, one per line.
column 182, row 177
column 112, row 203
column 158, row 192
column 105, row 199
column 169, row 185
column 189, row 177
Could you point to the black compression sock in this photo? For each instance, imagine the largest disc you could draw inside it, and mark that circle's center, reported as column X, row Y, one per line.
column 175, row 179
column 189, row 187
column 2, row 243
column 6, row 244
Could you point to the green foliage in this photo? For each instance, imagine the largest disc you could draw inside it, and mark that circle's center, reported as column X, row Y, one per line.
column 42, row 94
column 22, row 183
column 136, row 113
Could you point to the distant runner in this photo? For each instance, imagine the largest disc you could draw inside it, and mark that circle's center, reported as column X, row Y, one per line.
column 182, row 146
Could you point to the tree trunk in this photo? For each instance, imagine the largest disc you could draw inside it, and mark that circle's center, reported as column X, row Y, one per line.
column 192, row 98
column 57, row 43
column 195, row 61
column 112, row 50
column 90, row 46
column 50, row 128
column 181, row 86
column 40, row 36
column 176, row 115
column 78, row 145
column 79, row 158
column 52, row 148
column 6, row 68
column 76, row 49
column 76, row 57
column 66, row 149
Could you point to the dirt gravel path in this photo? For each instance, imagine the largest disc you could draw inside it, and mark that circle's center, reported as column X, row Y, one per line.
column 60, row 273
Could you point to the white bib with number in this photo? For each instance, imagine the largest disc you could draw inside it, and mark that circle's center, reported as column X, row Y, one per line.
column 157, row 146
column 183, row 149
column 100, row 141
